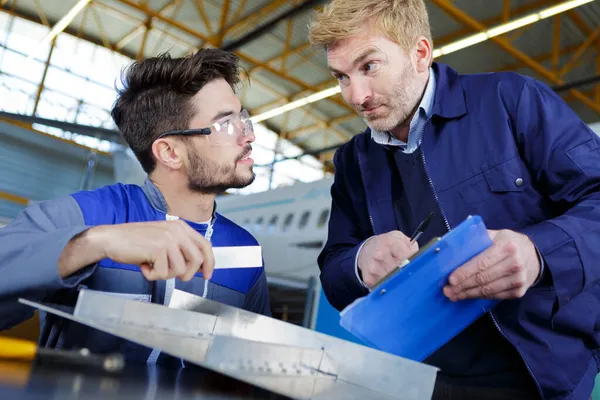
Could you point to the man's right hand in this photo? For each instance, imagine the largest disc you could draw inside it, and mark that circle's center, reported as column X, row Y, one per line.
column 382, row 254
column 162, row 249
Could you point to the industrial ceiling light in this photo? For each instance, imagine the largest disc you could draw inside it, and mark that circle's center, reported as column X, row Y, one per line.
column 444, row 50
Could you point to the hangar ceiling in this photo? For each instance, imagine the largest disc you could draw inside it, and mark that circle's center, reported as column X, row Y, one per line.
column 270, row 37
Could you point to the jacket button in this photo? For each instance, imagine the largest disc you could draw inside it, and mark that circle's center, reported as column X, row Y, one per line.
column 519, row 182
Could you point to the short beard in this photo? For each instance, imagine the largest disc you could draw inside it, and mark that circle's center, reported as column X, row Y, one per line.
column 209, row 177
column 402, row 104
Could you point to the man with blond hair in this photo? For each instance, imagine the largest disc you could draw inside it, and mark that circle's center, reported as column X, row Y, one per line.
column 500, row 145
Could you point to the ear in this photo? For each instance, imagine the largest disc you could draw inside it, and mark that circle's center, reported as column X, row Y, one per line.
column 423, row 54
column 169, row 153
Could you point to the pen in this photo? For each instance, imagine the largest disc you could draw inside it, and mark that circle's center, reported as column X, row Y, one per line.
column 421, row 228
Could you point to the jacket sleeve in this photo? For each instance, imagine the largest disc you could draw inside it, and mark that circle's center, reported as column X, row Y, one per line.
column 30, row 247
column 338, row 257
column 257, row 299
column 564, row 155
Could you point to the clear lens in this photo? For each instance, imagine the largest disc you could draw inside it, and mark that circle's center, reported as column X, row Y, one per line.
column 237, row 123
column 228, row 128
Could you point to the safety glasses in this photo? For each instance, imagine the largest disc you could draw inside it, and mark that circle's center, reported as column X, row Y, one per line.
column 238, row 123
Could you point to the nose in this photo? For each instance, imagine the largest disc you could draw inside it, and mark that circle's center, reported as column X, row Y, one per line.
column 249, row 137
column 360, row 92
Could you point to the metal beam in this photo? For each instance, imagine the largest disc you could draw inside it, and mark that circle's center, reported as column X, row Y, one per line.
column 13, row 198
column 96, row 17
column 261, row 30
column 506, row 10
column 205, row 19
column 142, row 49
column 38, row 95
column 186, row 29
column 253, row 18
column 92, row 131
column 224, row 14
column 170, row 21
column 540, row 59
column 286, row 47
column 89, row 131
column 576, row 58
column 582, row 25
column 135, row 32
column 35, row 18
column 556, row 43
column 469, row 21
column 164, row 33
column 518, row 12
column 578, row 83
column 305, row 110
column 326, row 124
column 41, row 14
column 240, row 9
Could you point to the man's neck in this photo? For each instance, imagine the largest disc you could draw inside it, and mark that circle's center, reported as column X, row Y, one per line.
column 183, row 202
column 402, row 130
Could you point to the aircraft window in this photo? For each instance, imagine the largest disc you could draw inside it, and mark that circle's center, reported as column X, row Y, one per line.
column 258, row 222
column 288, row 221
column 273, row 222
column 304, row 219
column 323, row 218
column 246, row 222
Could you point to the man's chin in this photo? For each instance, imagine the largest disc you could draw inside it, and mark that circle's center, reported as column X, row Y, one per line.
column 239, row 181
column 243, row 179
column 378, row 122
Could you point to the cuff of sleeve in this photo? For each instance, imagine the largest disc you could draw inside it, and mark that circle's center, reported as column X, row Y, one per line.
column 358, row 278
column 561, row 259
column 542, row 267
column 75, row 279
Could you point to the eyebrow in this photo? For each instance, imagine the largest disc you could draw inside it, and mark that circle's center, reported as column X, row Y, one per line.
column 223, row 114
column 366, row 53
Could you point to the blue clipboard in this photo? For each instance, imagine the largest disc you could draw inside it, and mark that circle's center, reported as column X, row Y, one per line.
column 407, row 314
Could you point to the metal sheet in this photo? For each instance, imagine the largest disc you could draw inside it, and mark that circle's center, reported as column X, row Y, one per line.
column 143, row 315
column 354, row 363
column 223, row 338
column 288, row 370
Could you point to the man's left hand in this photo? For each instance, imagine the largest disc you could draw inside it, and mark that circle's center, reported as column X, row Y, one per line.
column 505, row 270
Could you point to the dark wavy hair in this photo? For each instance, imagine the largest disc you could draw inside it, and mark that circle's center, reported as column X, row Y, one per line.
column 157, row 92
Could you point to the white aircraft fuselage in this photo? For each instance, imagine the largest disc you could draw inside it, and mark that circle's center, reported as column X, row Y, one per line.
column 290, row 223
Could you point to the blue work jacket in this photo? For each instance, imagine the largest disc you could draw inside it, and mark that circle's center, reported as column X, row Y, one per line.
column 507, row 148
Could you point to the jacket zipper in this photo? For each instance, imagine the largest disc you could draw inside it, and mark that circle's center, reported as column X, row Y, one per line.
column 365, row 187
column 437, row 200
column 520, row 354
column 448, row 227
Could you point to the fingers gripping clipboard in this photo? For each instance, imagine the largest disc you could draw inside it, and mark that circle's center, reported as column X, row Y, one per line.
column 407, row 314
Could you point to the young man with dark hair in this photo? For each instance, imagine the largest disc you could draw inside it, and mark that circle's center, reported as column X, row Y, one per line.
column 183, row 121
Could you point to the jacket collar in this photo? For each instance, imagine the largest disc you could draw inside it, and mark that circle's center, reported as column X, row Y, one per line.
column 154, row 196
column 449, row 101
column 157, row 200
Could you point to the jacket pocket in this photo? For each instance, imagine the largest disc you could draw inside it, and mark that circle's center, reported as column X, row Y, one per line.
column 586, row 156
column 506, row 177
column 503, row 196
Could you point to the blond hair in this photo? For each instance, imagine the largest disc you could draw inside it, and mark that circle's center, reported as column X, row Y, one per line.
column 403, row 21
